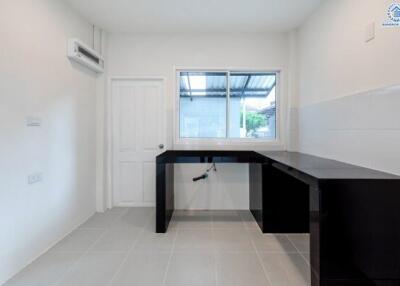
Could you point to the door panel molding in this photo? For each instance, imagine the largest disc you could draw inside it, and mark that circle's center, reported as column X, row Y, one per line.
column 148, row 150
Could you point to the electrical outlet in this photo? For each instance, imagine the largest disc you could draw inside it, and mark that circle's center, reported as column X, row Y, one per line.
column 33, row 121
column 35, row 178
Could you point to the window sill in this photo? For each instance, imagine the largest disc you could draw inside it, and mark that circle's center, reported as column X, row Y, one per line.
column 229, row 144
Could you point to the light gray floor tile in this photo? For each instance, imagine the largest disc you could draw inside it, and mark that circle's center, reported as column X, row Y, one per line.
column 271, row 242
column 134, row 217
column 97, row 269
column 78, row 240
column 248, row 219
column 156, row 242
column 195, row 240
column 150, row 225
column 231, row 239
column 200, row 248
column 301, row 241
column 119, row 210
column 202, row 213
column 194, row 269
column 46, row 270
column 286, row 269
column 240, row 269
column 142, row 212
column 118, row 239
column 227, row 219
column 192, row 219
column 101, row 220
column 142, row 268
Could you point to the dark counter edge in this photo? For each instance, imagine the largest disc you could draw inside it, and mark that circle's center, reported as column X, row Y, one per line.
column 304, row 166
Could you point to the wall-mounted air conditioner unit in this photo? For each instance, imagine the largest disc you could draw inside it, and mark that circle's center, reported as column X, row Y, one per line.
column 84, row 55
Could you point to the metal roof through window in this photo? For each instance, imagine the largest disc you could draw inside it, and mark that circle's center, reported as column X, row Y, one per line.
column 214, row 84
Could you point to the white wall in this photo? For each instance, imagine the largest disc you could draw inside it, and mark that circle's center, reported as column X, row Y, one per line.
column 347, row 111
column 156, row 55
column 37, row 79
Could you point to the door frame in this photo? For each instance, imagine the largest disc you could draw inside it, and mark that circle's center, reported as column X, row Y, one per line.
column 108, row 194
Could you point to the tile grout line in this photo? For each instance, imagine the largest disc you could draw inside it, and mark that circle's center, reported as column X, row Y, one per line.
column 302, row 255
column 105, row 229
column 262, row 264
column 244, row 224
column 118, row 270
column 298, row 251
column 117, row 217
column 259, row 257
column 170, row 257
column 214, row 251
column 84, row 253
column 292, row 243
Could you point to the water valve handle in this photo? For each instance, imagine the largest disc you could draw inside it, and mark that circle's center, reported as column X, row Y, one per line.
column 202, row 177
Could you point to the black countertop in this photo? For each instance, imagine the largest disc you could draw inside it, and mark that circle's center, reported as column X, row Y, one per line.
column 321, row 168
column 313, row 166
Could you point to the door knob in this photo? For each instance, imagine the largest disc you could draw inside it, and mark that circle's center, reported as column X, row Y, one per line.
column 161, row 146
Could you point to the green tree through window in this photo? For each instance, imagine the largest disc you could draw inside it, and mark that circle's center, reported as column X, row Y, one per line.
column 254, row 121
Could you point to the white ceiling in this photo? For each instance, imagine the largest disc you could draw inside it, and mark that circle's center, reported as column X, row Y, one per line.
column 143, row 16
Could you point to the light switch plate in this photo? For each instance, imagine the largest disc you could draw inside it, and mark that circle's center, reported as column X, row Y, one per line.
column 33, row 121
column 370, row 32
column 35, row 178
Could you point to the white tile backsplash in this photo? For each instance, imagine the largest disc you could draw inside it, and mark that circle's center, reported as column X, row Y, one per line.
column 362, row 129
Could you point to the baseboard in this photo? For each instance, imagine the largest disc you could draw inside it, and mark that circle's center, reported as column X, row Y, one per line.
column 137, row 204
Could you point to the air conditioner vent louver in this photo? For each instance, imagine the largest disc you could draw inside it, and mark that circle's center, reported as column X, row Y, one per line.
column 81, row 53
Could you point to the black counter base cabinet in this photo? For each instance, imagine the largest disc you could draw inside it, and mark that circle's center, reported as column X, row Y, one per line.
column 360, row 227
column 352, row 213
column 164, row 196
column 278, row 201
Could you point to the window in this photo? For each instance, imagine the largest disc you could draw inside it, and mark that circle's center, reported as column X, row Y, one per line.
column 230, row 105
column 203, row 98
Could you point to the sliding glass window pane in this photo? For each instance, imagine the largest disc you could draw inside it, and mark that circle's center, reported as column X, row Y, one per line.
column 252, row 112
column 203, row 102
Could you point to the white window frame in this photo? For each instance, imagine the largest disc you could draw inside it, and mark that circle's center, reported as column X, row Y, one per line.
column 227, row 143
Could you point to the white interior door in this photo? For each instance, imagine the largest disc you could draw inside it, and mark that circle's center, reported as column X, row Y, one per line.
column 138, row 136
